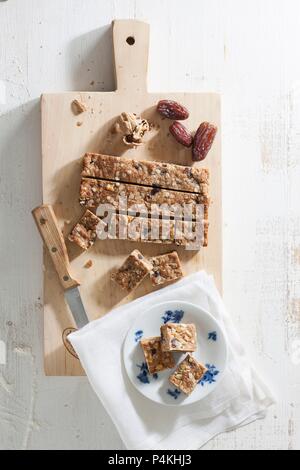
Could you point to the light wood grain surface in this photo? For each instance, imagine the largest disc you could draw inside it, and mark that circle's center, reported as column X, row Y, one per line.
column 248, row 52
column 63, row 145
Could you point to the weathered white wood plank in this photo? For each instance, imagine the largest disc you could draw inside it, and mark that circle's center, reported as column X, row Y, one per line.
column 247, row 50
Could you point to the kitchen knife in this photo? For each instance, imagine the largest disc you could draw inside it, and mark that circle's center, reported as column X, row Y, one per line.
column 48, row 227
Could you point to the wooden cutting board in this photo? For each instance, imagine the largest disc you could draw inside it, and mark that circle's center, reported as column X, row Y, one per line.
column 66, row 137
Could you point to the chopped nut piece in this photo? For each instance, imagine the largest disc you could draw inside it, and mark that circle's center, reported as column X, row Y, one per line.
column 179, row 337
column 156, row 359
column 84, row 233
column 187, row 374
column 130, row 275
column 133, row 128
column 78, row 107
column 165, row 268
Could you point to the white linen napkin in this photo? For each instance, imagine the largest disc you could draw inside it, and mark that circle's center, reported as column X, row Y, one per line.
column 241, row 397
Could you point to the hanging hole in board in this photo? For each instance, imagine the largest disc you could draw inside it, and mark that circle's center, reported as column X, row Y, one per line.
column 130, row 40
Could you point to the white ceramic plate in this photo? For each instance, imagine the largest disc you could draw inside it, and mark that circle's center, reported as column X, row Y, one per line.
column 211, row 351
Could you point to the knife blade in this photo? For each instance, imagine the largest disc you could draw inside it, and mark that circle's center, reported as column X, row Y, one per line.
column 74, row 301
column 47, row 224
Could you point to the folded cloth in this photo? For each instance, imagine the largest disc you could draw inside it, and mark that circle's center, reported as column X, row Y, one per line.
column 241, row 397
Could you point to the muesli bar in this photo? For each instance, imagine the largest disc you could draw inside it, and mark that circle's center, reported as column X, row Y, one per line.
column 133, row 271
column 179, row 337
column 165, row 268
column 188, row 374
column 152, row 230
column 94, row 192
column 148, row 173
column 84, row 233
column 156, row 359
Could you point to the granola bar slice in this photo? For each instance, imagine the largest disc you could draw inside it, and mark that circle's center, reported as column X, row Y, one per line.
column 156, row 359
column 133, row 271
column 94, row 192
column 84, row 232
column 152, row 230
column 165, row 268
column 179, row 337
column 187, row 374
column 148, row 173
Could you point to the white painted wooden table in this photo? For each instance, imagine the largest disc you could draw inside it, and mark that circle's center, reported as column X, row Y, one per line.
column 246, row 49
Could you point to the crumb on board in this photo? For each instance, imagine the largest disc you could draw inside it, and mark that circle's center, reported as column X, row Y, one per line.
column 88, row 264
column 79, row 123
column 78, row 107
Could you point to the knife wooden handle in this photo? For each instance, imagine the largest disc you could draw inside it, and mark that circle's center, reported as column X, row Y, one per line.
column 48, row 227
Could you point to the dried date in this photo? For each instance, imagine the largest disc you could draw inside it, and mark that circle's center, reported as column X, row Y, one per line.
column 181, row 134
column 203, row 140
column 172, row 110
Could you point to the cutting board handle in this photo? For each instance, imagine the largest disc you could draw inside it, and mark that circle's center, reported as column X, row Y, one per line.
column 131, row 48
column 48, row 227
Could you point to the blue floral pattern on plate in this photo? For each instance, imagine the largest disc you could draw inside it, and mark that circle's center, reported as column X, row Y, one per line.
column 173, row 316
column 212, row 352
column 209, row 376
column 174, row 393
column 212, row 336
column 144, row 375
column 138, row 335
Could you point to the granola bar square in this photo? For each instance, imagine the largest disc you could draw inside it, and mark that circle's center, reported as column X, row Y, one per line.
column 179, row 337
column 187, row 374
column 84, row 233
column 165, row 268
column 156, row 359
column 133, row 271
